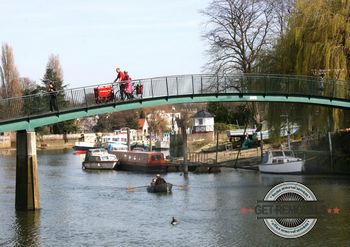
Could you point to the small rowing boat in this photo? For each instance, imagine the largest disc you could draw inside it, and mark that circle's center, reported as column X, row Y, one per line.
column 159, row 188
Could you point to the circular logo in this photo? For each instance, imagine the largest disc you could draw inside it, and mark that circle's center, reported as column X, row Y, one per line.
column 290, row 227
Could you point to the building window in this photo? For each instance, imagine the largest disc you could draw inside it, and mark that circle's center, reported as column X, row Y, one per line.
column 200, row 121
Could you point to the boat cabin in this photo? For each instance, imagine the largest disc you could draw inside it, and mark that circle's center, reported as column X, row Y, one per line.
column 278, row 157
column 139, row 157
column 99, row 154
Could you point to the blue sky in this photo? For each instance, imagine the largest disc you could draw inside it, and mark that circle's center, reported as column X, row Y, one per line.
column 147, row 38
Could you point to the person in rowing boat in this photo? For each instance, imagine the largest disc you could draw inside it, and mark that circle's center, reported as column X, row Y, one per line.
column 158, row 180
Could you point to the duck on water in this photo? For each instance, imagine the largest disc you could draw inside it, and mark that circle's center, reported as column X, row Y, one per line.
column 173, row 221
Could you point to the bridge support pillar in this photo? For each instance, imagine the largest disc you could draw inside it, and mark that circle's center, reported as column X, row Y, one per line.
column 27, row 179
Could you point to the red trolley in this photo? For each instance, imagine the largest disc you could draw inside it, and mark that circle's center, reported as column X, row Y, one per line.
column 104, row 94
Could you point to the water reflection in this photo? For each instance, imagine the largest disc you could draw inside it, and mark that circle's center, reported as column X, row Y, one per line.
column 27, row 229
column 273, row 179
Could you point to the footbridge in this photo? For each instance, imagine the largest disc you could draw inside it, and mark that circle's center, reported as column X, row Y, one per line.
column 24, row 114
column 32, row 111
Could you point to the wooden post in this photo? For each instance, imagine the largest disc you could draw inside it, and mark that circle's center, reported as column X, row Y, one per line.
column 128, row 139
column 217, row 147
column 27, row 179
column 184, row 134
column 261, row 146
column 150, row 141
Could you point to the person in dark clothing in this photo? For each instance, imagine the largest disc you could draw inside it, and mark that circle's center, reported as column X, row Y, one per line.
column 120, row 79
column 159, row 180
column 53, row 97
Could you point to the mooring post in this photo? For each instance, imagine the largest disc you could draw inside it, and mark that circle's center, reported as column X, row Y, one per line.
column 27, row 179
column 184, row 134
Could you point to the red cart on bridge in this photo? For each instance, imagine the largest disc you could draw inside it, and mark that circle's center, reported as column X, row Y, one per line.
column 104, row 94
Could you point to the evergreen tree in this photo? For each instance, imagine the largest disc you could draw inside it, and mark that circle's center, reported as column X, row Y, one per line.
column 54, row 75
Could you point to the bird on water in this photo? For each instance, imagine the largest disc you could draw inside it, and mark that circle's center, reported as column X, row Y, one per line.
column 173, row 221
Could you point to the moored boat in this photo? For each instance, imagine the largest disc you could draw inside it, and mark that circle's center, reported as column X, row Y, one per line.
column 83, row 146
column 159, row 188
column 280, row 161
column 116, row 146
column 99, row 159
column 141, row 161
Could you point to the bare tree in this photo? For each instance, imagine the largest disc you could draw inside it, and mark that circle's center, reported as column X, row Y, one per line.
column 281, row 12
column 10, row 80
column 55, row 65
column 29, row 86
column 156, row 122
column 237, row 31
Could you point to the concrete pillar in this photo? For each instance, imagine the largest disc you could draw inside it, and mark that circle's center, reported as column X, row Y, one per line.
column 27, row 179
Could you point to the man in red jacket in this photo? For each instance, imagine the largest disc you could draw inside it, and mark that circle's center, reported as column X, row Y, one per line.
column 120, row 78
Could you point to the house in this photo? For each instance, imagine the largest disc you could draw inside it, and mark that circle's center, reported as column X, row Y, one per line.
column 202, row 122
column 142, row 129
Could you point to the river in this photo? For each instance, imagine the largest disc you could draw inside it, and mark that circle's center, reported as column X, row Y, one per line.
column 93, row 208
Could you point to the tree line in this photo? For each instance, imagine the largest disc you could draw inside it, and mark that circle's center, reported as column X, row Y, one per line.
column 13, row 85
column 300, row 37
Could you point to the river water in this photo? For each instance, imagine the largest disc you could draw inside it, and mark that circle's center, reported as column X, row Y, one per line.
column 85, row 208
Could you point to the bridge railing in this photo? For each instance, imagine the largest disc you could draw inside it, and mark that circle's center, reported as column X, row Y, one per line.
column 170, row 86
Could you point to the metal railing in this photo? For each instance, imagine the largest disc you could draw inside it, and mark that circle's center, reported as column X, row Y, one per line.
column 170, row 86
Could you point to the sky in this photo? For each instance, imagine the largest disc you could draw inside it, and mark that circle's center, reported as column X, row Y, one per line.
column 148, row 38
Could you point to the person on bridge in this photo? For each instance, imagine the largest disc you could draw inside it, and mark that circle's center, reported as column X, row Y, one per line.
column 127, row 85
column 120, row 79
column 53, row 96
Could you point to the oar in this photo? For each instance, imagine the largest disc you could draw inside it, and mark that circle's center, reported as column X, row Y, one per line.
column 181, row 186
column 135, row 187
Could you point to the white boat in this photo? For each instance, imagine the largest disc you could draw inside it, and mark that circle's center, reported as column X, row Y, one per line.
column 116, row 146
column 281, row 161
column 108, row 139
column 265, row 134
column 83, row 146
column 99, row 159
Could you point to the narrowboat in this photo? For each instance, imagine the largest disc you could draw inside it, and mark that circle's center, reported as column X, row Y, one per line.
column 280, row 161
column 99, row 159
column 139, row 161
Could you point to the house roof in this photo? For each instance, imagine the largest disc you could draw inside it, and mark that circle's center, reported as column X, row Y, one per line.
column 203, row 114
column 141, row 123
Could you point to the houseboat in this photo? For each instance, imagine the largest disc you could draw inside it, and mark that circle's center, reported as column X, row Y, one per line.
column 140, row 161
column 279, row 161
column 99, row 159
